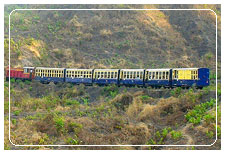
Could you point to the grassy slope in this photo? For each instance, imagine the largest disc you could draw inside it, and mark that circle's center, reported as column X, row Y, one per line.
column 48, row 114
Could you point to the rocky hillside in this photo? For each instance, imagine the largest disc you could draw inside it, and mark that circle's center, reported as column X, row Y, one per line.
column 112, row 39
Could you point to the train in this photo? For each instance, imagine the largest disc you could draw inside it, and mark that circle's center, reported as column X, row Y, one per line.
column 156, row 78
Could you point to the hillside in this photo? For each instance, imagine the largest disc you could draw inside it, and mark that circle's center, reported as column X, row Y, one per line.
column 68, row 114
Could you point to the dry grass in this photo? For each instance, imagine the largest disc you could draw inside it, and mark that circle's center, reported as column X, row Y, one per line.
column 135, row 108
column 149, row 112
column 105, row 32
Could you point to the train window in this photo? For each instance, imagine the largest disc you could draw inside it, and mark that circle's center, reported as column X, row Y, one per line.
column 98, row 74
column 167, row 75
column 175, row 74
column 25, row 70
column 137, row 74
column 160, row 75
column 164, row 75
column 131, row 75
column 157, row 75
column 125, row 74
column 101, row 75
column 153, row 75
column 141, row 75
column 112, row 74
column 115, row 74
column 150, row 75
column 128, row 75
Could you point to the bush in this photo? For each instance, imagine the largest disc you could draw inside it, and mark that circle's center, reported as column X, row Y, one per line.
column 72, row 141
column 195, row 115
column 17, row 112
column 176, row 135
column 145, row 97
column 14, row 121
column 27, row 82
column 72, row 102
column 12, row 80
column 176, row 92
column 59, row 124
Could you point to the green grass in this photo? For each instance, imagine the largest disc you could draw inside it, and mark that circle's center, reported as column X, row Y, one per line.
column 145, row 97
column 17, row 112
column 72, row 102
column 198, row 113
column 176, row 135
column 59, row 123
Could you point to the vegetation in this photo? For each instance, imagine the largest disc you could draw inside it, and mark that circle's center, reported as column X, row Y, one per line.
column 70, row 114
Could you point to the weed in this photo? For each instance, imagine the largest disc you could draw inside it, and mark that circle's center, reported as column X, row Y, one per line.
column 164, row 132
column 6, row 84
column 27, row 82
column 30, row 88
column 195, row 116
column 85, row 100
column 21, row 84
column 12, row 80
column 17, row 112
column 14, row 121
column 145, row 97
column 72, row 102
column 210, row 134
column 44, row 139
column 176, row 92
column 218, row 131
column 72, row 141
column 59, row 123
column 176, row 135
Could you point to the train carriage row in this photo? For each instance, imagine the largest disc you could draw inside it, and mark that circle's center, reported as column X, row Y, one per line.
column 176, row 77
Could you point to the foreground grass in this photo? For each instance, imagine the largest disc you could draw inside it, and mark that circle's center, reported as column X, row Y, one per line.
column 117, row 116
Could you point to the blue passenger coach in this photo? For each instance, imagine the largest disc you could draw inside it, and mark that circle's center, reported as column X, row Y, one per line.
column 186, row 77
column 105, row 76
column 157, row 77
column 131, row 77
column 47, row 75
column 78, row 76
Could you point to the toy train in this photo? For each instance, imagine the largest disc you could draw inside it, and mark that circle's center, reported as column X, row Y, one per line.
column 168, row 78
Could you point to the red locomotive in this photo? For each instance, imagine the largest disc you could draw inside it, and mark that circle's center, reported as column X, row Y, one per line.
column 25, row 73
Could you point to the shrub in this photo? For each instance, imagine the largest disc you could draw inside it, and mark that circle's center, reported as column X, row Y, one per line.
column 72, row 102
column 176, row 135
column 14, row 121
column 12, row 80
column 72, row 141
column 59, row 124
column 30, row 88
column 17, row 112
column 21, row 84
column 176, row 91
column 195, row 115
column 145, row 97
column 85, row 100
column 210, row 134
column 6, row 84
column 27, row 82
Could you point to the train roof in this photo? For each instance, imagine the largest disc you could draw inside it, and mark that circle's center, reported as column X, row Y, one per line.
column 160, row 69
column 28, row 67
column 106, row 69
column 70, row 69
column 132, row 69
column 49, row 68
column 185, row 68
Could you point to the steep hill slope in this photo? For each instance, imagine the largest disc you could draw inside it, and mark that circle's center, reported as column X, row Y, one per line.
column 112, row 39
